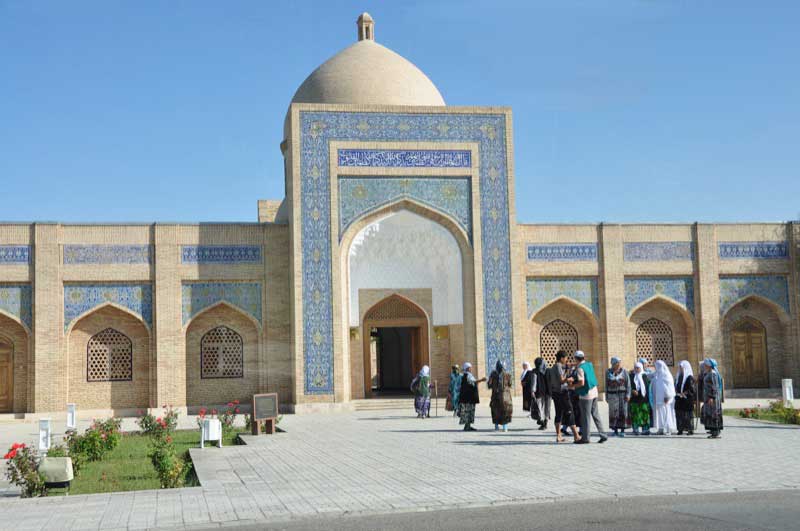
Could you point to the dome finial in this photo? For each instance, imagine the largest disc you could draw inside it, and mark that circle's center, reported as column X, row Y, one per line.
column 366, row 27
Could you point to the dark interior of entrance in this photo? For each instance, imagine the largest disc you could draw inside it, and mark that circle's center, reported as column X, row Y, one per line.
column 393, row 359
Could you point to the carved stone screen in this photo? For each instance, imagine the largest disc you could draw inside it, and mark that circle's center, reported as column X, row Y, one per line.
column 221, row 354
column 654, row 342
column 558, row 335
column 109, row 357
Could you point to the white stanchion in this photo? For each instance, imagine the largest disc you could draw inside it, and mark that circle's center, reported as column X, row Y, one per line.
column 788, row 391
column 44, row 435
column 72, row 417
column 211, row 430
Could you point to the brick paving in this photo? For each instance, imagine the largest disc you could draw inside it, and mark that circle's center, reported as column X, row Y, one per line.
column 385, row 461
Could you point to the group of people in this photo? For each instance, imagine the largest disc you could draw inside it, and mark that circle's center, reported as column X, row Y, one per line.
column 647, row 399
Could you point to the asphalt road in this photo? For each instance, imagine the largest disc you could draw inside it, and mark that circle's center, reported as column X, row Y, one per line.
column 751, row 510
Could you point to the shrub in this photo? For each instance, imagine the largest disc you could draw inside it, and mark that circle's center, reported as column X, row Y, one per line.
column 100, row 438
column 23, row 472
column 158, row 427
column 228, row 417
column 750, row 413
column 169, row 467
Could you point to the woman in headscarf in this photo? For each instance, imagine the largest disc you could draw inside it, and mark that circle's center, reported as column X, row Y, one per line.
column 500, row 403
column 468, row 397
column 640, row 408
column 452, row 390
column 540, row 405
column 421, row 386
column 701, row 374
column 618, row 394
column 713, row 394
column 527, row 383
column 663, row 394
column 685, row 396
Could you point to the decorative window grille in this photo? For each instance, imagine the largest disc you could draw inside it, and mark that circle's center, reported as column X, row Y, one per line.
column 555, row 336
column 654, row 342
column 221, row 354
column 393, row 308
column 109, row 357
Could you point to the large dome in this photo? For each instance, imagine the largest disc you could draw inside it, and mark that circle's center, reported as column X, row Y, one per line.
column 368, row 73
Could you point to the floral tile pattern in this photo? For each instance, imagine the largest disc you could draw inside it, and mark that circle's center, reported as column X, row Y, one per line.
column 640, row 289
column 221, row 254
column 107, row 254
column 359, row 196
column 405, row 158
column 15, row 299
column 317, row 129
column 760, row 250
column 658, row 251
column 197, row 296
column 81, row 298
column 542, row 291
column 15, row 254
column 774, row 288
column 563, row 252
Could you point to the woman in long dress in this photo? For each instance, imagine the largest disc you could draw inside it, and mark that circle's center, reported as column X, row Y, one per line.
column 527, row 382
column 685, row 397
column 421, row 386
column 468, row 398
column 640, row 408
column 540, row 403
column 713, row 394
column 663, row 392
column 618, row 394
column 500, row 403
column 453, row 390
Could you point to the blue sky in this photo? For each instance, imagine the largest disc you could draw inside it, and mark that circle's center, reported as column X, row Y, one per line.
column 624, row 110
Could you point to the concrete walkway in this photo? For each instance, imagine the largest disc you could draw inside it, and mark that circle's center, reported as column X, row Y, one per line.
column 388, row 461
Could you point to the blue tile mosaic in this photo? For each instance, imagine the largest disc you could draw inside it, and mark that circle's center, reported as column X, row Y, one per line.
column 221, row 254
column 317, row 129
column 542, row 291
column 81, row 298
column 405, row 158
column 15, row 254
column 15, row 300
column 658, row 251
column 107, row 254
column 564, row 252
column 197, row 296
column 774, row 288
column 359, row 196
column 640, row 289
column 737, row 250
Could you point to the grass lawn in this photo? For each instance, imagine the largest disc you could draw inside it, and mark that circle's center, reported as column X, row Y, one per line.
column 129, row 468
column 764, row 414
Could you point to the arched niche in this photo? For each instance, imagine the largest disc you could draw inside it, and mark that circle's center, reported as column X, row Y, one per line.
column 654, row 322
column 14, row 355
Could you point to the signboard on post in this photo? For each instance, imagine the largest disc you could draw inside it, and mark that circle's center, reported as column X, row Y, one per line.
column 265, row 407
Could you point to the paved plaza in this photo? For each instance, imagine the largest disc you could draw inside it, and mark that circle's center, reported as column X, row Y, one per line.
column 330, row 465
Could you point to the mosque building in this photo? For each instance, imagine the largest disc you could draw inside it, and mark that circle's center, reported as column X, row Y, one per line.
column 396, row 245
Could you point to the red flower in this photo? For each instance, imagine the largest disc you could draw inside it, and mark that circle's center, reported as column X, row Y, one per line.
column 230, row 404
column 236, row 410
column 169, row 439
column 202, row 411
column 236, row 402
column 213, row 411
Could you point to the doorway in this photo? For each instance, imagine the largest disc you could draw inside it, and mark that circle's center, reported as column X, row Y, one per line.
column 750, row 354
column 395, row 333
column 6, row 377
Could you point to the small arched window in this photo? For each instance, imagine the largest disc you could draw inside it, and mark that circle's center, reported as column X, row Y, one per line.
column 558, row 335
column 221, row 354
column 654, row 342
column 109, row 357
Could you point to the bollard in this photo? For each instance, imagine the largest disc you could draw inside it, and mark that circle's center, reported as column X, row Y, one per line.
column 44, row 435
column 72, row 420
column 788, row 392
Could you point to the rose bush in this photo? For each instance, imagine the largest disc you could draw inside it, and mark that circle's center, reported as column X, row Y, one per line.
column 22, row 470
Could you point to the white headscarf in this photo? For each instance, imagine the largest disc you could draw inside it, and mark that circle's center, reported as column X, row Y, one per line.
column 638, row 379
column 425, row 371
column 525, row 368
column 466, row 366
column 686, row 369
column 663, row 383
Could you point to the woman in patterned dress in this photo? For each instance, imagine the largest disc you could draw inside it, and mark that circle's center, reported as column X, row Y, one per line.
column 618, row 394
column 421, row 386
column 640, row 407
column 500, row 403
column 468, row 398
column 452, row 390
column 685, row 396
column 713, row 394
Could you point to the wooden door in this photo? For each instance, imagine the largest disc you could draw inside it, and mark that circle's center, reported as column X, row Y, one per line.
column 750, row 355
column 6, row 378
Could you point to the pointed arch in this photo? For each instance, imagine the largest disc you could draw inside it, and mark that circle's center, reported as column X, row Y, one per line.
column 17, row 320
column 100, row 307
column 394, row 307
column 15, row 355
column 226, row 304
column 565, row 324
column 780, row 313
column 573, row 302
column 660, row 328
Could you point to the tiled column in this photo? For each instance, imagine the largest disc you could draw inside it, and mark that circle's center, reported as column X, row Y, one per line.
column 792, row 368
column 170, row 363
column 709, row 324
column 612, row 296
column 49, row 379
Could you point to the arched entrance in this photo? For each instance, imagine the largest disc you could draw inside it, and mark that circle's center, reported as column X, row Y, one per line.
column 749, row 348
column 395, row 333
column 6, row 376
